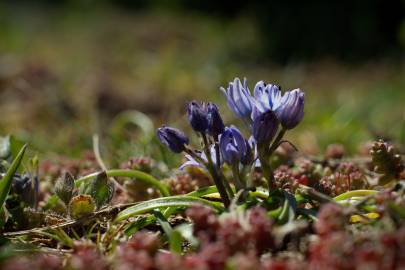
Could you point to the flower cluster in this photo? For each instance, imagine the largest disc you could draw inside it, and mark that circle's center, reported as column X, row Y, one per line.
column 268, row 115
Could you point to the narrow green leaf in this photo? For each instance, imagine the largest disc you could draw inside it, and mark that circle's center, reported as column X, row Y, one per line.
column 203, row 191
column 275, row 213
column 310, row 213
column 289, row 208
column 15, row 147
column 163, row 222
column 175, row 239
column 5, row 183
column 355, row 193
column 138, row 224
column 178, row 201
column 142, row 222
column 175, row 242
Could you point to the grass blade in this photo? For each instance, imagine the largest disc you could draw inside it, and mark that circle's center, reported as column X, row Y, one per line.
column 5, row 183
column 174, row 237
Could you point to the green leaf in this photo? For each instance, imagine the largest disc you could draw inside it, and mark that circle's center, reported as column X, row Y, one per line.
column 289, row 208
column 15, row 146
column 309, row 213
column 101, row 190
column 355, row 193
column 5, row 183
column 138, row 224
column 142, row 222
column 175, row 242
column 275, row 213
column 178, row 201
column 203, row 191
column 64, row 187
column 175, row 239
column 397, row 210
column 138, row 175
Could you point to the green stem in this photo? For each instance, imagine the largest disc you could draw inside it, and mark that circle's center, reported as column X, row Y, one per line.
column 214, row 173
column 276, row 141
column 266, row 168
column 139, row 175
column 227, row 186
column 218, row 157
column 236, row 176
column 221, row 176
column 264, row 157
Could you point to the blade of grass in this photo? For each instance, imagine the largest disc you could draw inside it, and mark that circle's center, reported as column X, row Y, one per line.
column 175, row 239
column 135, row 226
column 5, row 183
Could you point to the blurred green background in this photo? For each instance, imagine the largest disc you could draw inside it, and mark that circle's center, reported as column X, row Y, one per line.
column 69, row 68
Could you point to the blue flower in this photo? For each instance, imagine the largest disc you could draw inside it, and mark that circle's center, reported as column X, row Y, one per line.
column 173, row 138
column 267, row 97
column 215, row 124
column 291, row 109
column 239, row 98
column 235, row 148
column 265, row 127
column 197, row 116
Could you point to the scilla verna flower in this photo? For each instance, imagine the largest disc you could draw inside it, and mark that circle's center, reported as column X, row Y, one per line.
column 291, row 109
column 267, row 97
column 197, row 116
column 234, row 148
column 265, row 126
column 239, row 98
column 173, row 138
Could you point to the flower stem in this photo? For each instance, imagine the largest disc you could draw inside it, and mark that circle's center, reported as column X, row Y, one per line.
column 218, row 159
column 236, row 176
column 214, row 173
column 264, row 156
column 268, row 174
column 276, row 142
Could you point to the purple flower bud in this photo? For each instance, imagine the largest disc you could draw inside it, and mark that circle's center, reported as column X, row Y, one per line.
column 215, row 124
column 173, row 138
column 239, row 98
column 234, row 148
column 291, row 109
column 197, row 116
column 265, row 126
